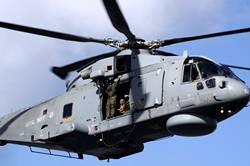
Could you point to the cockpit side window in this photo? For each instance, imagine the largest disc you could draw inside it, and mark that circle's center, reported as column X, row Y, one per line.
column 194, row 73
column 190, row 73
column 186, row 74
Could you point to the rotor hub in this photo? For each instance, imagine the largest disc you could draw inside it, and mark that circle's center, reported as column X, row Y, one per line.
column 136, row 44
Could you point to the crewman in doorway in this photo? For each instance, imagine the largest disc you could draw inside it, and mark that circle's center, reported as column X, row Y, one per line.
column 124, row 104
column 122, row 107
column 111, row 91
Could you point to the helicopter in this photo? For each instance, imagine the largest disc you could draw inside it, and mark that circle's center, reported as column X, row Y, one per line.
column 166, row 95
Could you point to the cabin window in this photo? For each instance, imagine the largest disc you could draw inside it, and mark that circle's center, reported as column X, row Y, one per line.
column 123, row 64
column 67, row 110
column 45, row 112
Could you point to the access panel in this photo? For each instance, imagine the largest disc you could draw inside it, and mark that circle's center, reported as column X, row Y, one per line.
column 147, row 89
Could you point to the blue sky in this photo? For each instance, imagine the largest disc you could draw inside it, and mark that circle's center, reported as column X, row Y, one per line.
column 26, row 59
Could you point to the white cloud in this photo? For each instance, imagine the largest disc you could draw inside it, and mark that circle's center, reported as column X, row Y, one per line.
column 172, row 18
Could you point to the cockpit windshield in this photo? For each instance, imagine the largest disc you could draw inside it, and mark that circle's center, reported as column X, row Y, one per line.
column 195, row 66
column 209, row 69
column 230, row 73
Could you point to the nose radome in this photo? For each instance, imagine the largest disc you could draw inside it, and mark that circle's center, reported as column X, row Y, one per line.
column 238, row 90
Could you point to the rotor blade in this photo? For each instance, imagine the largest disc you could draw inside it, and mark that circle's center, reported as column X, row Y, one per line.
column 63, row 71
column 237, row 67
column 118, row 19
column 48, row 33
column 186, row 39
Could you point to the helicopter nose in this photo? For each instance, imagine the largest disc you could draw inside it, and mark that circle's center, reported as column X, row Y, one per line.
column 238, row 90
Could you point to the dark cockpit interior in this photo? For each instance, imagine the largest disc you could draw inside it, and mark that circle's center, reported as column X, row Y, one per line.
column 196, row 68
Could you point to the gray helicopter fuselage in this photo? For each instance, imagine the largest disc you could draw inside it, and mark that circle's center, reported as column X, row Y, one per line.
column 159, row 102
column 122, row 99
